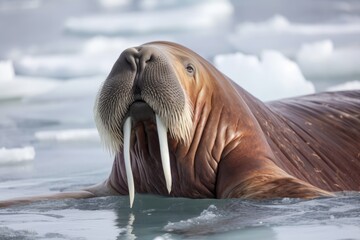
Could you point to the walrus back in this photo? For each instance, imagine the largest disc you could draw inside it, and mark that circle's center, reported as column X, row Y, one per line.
column 320, row 133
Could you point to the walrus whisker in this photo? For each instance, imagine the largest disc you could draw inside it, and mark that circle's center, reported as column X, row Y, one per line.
column 129, row 175
column 164, row 151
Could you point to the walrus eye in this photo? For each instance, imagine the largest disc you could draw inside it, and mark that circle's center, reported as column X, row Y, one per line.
column 190, row 68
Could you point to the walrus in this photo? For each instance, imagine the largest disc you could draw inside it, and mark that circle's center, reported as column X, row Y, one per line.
column 179, row 127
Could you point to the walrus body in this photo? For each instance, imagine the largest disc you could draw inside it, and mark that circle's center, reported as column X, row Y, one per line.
column 220, row 141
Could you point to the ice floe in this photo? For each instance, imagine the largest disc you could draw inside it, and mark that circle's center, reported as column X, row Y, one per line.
column 88, row 135
column 16, row 155
column 270, row 77
column 12, row 87
column 281, row 34
column 72, row 89
column 351, row 85
column 321, row 60
column 96, row 57
column 279, row 24
column 199, row 16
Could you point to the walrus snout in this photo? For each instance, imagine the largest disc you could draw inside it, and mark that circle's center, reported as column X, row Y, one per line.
column 138, row 57
column 150, row 68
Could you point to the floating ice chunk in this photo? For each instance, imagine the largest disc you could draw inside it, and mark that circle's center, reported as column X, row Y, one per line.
column 320, row 60
column 72, row 89
column 95, row 58
column 16, row 155
column 281, row 34
column 12, row 86
column 105, row 45
column 352, row 85
column 88, row 135
column 278, row 24
column 269, row 78
column 62, row 65
column 199, row 16
column 6, row 71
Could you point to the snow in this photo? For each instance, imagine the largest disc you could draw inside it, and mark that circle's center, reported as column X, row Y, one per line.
column 16, row 155
column 321, row 60
column 271, row 77
column 90, row 134
column 199, row 16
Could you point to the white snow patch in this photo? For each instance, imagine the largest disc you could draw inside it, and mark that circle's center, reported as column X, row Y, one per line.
column 90, row 134
column 322, row 60
column 271, row 77
column 16, row 155
column 195, row 17
column 12, row 86
column 351, row 85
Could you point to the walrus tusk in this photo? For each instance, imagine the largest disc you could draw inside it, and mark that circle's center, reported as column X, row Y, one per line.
column 164, row 151
column 129, row 175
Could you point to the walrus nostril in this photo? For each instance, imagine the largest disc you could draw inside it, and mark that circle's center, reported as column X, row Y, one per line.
column 131, row 57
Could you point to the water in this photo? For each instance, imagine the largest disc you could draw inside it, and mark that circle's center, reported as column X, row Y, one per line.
column 155, row 217
column 55, row 65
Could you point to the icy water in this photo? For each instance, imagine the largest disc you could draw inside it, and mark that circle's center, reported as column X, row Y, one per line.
column 165, row 218
column 55, row 54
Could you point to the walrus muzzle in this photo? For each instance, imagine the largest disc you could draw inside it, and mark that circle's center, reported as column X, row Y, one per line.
column 142, row 83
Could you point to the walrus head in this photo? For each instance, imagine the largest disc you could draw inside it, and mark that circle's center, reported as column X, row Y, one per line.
column 146, row 84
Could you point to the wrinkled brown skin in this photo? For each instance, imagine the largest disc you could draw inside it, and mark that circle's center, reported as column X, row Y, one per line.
column 301, row 147
column 240, row 147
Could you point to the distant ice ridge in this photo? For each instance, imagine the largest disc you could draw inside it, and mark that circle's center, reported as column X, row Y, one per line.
column 12, row 86
column 271, row 77
column 281, row 34
column 90, row 134
column 96, row 57
column 320, row 60
column 202, row 15
column 16, row 155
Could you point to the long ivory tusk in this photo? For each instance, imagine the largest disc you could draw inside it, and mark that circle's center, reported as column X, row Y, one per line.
column 164, row 151
column 129, row 175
